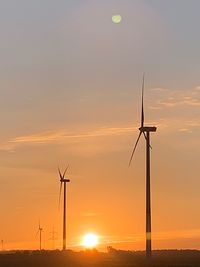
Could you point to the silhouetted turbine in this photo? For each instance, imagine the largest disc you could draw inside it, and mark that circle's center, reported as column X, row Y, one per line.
column 40, row 234
column 145, row 130
column 65, row 181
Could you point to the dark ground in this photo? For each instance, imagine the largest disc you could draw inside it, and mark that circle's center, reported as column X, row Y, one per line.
column 114, row 258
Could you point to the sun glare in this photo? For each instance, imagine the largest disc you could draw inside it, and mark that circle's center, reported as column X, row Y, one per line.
column 90, row 240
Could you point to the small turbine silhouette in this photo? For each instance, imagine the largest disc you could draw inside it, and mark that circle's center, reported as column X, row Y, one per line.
column 40, row 229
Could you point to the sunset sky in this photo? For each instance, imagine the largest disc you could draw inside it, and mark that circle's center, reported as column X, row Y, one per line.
column 70, row 84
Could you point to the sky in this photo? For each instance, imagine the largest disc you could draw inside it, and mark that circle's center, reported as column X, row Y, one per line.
column 70, row 84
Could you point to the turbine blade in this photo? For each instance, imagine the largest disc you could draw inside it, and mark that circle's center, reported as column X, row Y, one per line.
column 135, row 148
column 65, row 171
column 146, row 139
column 60, row 195
column 142, row 111
column 37, row 233
column 60, row 173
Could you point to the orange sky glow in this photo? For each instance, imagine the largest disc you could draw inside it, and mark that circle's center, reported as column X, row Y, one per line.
column 70, row 86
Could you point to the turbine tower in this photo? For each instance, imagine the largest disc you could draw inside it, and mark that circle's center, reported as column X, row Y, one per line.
column 145, row 131
column 65, row 181
column 40, row 234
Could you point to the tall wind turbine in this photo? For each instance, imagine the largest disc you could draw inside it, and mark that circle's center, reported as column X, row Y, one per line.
column 64, row 181
column 40, row 234
column 145, row 131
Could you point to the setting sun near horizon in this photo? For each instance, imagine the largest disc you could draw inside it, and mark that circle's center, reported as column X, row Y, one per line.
column 90, row 240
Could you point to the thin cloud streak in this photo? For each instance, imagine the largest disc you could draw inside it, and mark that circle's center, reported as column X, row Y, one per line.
column 47, row 137
column 63, row 136
column 168, row 235
column 176, row 98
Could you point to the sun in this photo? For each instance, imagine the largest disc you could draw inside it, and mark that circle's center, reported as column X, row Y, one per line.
column 90, row 240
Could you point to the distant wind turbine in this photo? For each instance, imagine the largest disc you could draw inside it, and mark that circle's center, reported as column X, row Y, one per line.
column 40, row 234
column 145, row 131
column 65, row 181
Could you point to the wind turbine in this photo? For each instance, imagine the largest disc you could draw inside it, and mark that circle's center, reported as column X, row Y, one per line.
column 145, row 131
column 65, row 181
column 40, row 233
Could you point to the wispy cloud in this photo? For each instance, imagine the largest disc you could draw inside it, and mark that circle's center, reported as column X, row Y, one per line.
column 163, row 99
column 185, row 130
column 175, row 98
column 64, row 136
column 167, row 235
column 193, row 233
column 54, row 136
column 159, row 89
column 90, row 214
column 40, row 138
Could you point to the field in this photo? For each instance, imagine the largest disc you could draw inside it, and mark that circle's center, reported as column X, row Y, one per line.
column 114, row 258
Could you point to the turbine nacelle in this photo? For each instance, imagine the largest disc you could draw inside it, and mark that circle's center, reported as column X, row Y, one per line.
column 148, row 129
column 64, row 180
column 62, row 176
column 39, row 227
